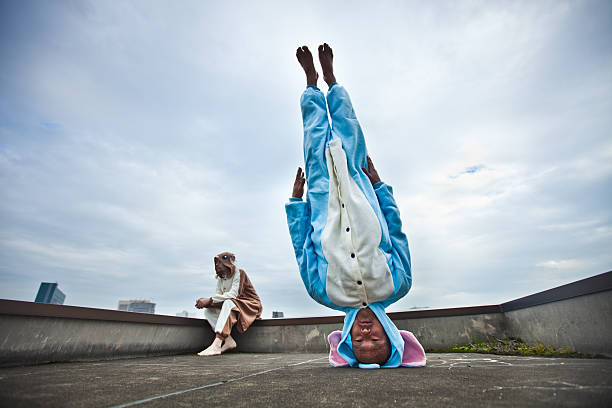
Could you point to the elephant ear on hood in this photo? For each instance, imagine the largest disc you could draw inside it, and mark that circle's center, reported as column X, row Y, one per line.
column 334, row 358
column 414, row 355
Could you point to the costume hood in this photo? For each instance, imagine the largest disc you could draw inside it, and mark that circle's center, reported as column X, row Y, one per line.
column 405, row 349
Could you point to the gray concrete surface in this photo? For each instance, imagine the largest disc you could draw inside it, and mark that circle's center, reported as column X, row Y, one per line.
column 582, row 323
column 306, row 380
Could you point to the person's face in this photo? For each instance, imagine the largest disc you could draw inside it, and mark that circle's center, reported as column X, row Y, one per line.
column 223, row 264
column 370, row 342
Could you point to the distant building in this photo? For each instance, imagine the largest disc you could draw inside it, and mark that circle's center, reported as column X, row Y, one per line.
column 123, row 305
column 277, row 315
column 50, row 293
column 139, row 306
column 184, row 313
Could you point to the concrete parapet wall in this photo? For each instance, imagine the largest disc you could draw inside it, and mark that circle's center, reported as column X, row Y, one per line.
column 577, row 315
column 436, row 333
column 303, row 338
column 582, row 323
column 433, row 333
column 35, row 340
column 34, row 333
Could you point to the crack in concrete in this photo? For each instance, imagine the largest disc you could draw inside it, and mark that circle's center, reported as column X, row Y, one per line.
column 568, row 387
column 201, row 387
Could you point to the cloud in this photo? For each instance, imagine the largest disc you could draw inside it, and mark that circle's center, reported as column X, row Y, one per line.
column 561, row 264
column 469, row 170
column 138, row 141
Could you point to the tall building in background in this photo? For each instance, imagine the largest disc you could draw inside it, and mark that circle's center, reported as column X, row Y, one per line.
column 278, row 315
column 139, row 306
column 50, row 293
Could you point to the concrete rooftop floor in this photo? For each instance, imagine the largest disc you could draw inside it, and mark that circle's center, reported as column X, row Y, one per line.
column 265, row 380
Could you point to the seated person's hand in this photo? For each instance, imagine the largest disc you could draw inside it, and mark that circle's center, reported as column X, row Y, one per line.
column 298, row 184
column 203, row 302
column 371, row 172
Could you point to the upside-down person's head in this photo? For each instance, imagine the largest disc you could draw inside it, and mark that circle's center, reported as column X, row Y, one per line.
column 369, row 340
column 225, row 264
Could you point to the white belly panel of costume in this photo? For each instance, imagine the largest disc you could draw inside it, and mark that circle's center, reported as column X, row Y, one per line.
column 357, row 271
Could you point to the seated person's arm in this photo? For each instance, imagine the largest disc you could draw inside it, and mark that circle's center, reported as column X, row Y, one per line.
column 216, row 301
column 203, row 302
column 219, row 297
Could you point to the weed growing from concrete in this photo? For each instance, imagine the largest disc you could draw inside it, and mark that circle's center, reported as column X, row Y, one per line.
column 512, row 346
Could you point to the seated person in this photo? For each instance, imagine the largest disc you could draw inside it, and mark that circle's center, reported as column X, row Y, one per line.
column 347, row 237
column 235, row 302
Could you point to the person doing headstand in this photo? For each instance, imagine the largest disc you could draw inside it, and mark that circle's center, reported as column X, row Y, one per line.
column 347, row 236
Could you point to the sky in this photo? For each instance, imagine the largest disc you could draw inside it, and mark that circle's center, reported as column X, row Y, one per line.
column 140, row 138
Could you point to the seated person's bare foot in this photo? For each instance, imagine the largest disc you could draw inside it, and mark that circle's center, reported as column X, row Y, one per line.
column 228, row 344
column 326, row 58
column 369, row 340
column 305, row 59
column 213, row 350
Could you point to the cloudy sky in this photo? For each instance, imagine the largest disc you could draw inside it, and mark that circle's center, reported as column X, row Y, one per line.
column 140, row 138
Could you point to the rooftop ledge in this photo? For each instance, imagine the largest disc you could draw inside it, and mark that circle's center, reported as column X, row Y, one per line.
column 576, row 315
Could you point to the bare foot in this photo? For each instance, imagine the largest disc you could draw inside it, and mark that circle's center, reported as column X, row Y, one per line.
column 326, row 58
column 305, row 59
column 213, row 350
column 228, row 344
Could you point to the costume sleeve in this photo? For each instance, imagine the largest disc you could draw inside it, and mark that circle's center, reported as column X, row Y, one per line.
column 298, row 220
column 232, row 293
column 399, row 241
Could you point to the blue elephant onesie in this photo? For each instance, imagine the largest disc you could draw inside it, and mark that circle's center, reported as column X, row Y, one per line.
column 347, row 235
